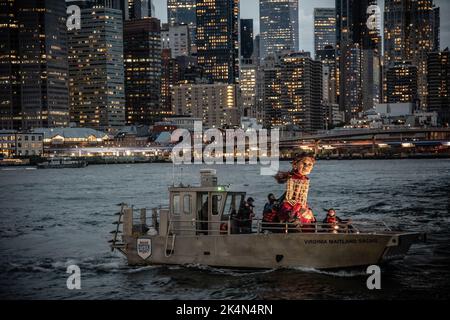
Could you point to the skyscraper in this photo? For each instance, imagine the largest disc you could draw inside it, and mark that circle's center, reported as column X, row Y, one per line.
column 218, row 39
column 217, row 104
column 142, row 56
column 279, row 26
column 425, row 17
column 97, row 98
column 170, row 76
column 402, row 83
column 176, row 38
column 183, row 12
column 270, row 92
column 33, row 64
column 138, row 9
column 247, row 82
column 411, row 31
column 328, row 58
column 325, row 49
column 293, row 91
column 324, row 30
column 439, row 84
column 358, row 56
column 301, row 91
column 257, row 48
column 246, row 38
column 397, row 30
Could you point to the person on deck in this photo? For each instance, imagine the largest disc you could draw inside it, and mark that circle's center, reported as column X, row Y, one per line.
column 270, row 215
column 245, row 216
column 333, row 222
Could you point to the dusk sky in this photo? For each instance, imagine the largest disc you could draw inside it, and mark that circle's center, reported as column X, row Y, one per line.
column 250, row 9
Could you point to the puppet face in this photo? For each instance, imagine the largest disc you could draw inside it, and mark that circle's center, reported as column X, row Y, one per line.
column 304, row 166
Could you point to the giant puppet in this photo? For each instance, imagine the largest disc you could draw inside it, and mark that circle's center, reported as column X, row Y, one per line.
column 294, row 207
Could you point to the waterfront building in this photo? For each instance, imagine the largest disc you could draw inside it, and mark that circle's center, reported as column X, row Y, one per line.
column 279, row 26
column 402, row 83
column 59, row 138
column 142, row 52
column 216, row 104
column 33, row 64
column 405, row 115
column 439, row 84
column 177, row 39
column 246, row 38
column 218, row 39
column 183, row 122
column 183, row 12
column 132, row 137
column 19, row 144
column 97, row 97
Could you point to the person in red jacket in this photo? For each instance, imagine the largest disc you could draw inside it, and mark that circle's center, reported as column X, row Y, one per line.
column 334, row 223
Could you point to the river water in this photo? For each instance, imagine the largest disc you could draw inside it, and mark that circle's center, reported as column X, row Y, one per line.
column 51, row 219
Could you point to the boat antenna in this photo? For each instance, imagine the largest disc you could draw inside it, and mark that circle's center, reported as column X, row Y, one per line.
column 181, row 176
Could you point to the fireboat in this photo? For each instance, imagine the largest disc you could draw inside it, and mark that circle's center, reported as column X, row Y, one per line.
column 197, row 228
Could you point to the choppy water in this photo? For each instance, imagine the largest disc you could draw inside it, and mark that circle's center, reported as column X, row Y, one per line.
column 50, row 219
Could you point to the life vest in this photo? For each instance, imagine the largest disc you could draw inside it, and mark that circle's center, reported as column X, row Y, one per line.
column 224, row 228
column 332, row 220
column 270, row 216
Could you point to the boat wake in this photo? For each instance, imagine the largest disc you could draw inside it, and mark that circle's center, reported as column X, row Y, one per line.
column 229, row 272
column 337, row 273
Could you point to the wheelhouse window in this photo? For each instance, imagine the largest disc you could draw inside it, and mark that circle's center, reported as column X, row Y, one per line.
column 216, row 204
column 229, row 206
column 187, row 204
column 176, row 204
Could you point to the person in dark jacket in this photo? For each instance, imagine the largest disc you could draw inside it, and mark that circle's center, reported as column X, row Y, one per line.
column 245, row 216
column 268, row 207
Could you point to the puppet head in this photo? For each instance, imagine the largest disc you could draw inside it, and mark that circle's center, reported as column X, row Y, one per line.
column 303, row 165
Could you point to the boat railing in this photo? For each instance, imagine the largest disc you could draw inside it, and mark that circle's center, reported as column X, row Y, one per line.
column 258, row 226
column 231, row 225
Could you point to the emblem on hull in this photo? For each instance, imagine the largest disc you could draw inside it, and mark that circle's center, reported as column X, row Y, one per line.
column 144, row 248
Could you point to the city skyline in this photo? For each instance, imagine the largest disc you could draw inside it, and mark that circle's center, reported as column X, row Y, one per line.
column 306, row 18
